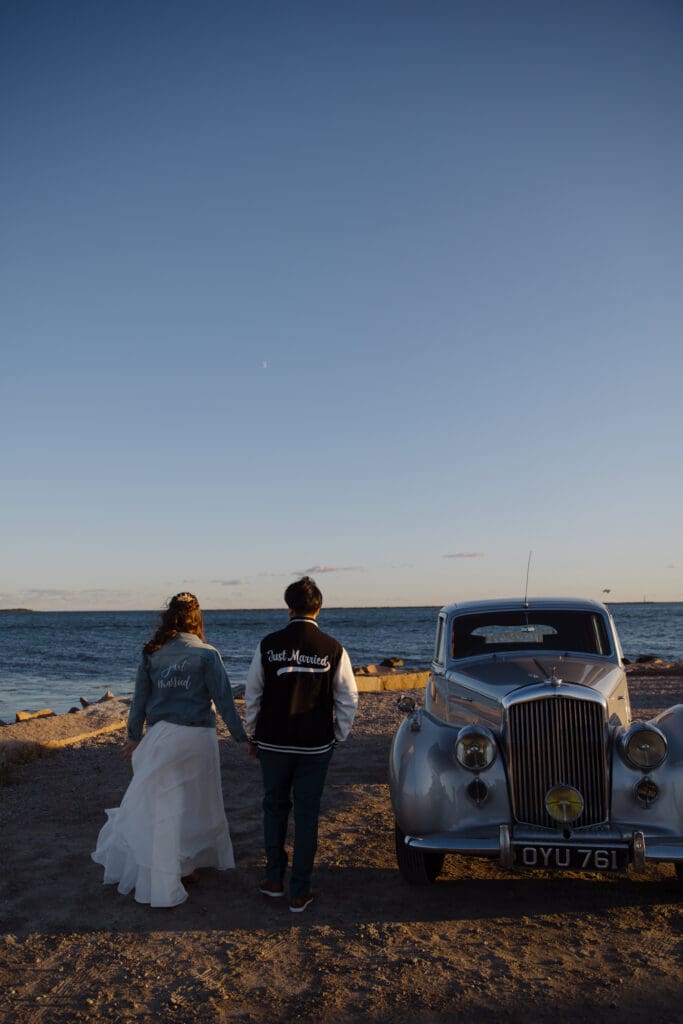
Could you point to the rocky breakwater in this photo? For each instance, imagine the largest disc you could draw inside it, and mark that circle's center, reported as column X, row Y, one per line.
column 36, row 733
column 389, row 674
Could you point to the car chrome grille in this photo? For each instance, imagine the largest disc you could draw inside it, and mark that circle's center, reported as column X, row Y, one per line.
column 556, row 741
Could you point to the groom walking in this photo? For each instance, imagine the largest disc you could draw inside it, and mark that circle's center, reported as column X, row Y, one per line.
column 300, row 698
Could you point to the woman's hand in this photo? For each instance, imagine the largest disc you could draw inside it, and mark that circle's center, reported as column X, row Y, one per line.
column 129, row 747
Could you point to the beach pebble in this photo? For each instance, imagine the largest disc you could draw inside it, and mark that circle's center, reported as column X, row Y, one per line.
column 392, row 663
column 108, row 696
column 85, row 702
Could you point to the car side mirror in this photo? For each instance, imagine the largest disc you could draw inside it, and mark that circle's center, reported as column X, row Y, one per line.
column 406, row 704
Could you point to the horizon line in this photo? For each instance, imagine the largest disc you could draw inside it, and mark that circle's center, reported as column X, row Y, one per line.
column 279, row 608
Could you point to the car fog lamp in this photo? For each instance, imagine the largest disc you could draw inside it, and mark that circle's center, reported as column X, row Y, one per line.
column 564, row 804
column 475, row 748
column 644, row 746
column 646, row 792
column 477, row 791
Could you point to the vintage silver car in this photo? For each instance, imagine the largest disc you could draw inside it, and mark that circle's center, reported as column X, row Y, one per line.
column 526, row 752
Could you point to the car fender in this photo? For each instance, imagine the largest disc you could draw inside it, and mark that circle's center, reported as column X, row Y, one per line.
column 665, row 814
column 671, row 724
column 429, row 788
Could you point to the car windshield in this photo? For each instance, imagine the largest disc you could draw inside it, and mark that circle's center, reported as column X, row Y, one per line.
column 582, row 632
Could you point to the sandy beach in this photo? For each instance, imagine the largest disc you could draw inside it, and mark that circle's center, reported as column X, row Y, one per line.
column 481, row 944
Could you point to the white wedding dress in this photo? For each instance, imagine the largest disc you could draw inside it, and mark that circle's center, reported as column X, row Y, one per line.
column 171, row 819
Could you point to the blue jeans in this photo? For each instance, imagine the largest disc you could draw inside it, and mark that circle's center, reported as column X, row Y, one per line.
column 292, row 780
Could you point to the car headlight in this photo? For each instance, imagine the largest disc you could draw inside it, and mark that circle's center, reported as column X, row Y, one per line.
column 475, row 748
column 644, row 746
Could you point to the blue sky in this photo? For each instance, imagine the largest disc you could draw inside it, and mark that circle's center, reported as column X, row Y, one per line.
column 389, row 293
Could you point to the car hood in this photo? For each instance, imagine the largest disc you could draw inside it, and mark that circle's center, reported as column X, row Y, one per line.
column 500, row 675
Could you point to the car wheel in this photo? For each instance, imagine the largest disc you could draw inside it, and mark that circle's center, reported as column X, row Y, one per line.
column 417, row 867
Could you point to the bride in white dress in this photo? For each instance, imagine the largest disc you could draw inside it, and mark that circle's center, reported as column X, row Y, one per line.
column 171, row 821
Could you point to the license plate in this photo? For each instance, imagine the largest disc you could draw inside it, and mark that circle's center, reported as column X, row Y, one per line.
column 572, row 858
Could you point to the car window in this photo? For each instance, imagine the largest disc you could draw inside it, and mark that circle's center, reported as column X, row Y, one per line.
column 582, row 632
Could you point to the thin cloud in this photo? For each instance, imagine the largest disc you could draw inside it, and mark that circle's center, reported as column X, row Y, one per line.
column 57, row 596
column 22, row 598
column 231, row 583
column 49, row 592
column 466, row 554
column 319, row 569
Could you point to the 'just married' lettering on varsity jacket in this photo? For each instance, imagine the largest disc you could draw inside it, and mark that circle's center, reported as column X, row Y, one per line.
column 301, row 694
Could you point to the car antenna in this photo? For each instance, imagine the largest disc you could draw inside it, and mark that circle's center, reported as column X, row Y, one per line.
column 526, row 588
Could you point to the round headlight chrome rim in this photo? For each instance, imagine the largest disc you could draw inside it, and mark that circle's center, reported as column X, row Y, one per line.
column 475, row 748
column 644, row 746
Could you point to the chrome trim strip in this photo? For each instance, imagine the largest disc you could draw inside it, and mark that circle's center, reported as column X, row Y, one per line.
column 655, row 851
column 506, row 855
column 445, row 842
column 639, row 851
column 535, row 690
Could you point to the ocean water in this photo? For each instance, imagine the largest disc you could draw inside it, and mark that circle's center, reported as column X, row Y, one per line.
column 50, row 659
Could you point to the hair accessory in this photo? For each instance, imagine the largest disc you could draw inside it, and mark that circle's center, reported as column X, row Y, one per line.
column 184, row 598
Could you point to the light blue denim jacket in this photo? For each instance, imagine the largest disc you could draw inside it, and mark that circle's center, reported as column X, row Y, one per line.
column 177, row 684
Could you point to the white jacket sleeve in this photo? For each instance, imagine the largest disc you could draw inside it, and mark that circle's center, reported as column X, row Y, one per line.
column 253, row 692
column 345, row 698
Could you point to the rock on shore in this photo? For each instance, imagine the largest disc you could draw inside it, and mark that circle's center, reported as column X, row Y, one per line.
column 34, row 737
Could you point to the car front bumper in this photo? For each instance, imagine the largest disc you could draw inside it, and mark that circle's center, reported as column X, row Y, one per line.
column 504, row 843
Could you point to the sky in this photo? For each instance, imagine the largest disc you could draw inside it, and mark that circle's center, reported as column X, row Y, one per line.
column 386, row 293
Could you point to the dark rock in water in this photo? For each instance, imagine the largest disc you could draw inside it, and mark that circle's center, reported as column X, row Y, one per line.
column 626, row 661
column 392, row 662
column 238, row 690
column 645, row 659
column 73, row 711
column 108, row 696
column 84, row 702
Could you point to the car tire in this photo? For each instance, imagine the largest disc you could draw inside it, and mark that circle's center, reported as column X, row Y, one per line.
column 417, row 867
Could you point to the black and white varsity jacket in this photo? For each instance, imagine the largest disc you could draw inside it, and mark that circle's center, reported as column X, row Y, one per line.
column 301, row 694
